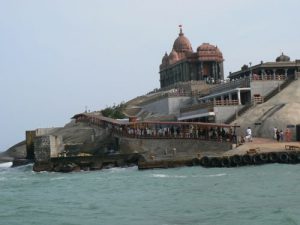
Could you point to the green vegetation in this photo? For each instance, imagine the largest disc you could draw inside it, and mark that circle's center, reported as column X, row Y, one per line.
column 115, row 112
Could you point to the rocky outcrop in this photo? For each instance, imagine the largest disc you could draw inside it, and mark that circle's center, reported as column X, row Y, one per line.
column 77, row 138
column 15, row 152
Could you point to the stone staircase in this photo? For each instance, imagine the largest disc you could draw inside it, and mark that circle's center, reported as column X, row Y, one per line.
column 285, row 84
column 270, row 95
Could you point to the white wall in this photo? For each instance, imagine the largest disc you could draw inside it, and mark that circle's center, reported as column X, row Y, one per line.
column 263, row 87
column 169, row 105
column 224, row 112
column 56, row 145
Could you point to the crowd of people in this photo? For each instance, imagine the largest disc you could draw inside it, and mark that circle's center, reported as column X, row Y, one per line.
column 279, row 135
column 173, row 131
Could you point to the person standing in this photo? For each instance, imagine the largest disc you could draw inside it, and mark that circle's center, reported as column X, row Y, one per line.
column 287, row 134
column 249, row 134
column 275, row 133
column 281, row 135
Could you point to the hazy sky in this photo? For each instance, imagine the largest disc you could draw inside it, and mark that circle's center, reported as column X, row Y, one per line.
column 58, row 56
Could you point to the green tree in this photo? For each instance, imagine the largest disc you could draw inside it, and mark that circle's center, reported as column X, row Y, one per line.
column 114, row 112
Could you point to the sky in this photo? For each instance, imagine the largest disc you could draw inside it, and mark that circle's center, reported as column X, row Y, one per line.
column 58, row 57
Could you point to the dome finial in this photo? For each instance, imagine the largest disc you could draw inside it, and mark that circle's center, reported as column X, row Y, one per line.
column 180, row 30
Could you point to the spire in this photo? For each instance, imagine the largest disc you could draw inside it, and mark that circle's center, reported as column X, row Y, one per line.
column 180, row 30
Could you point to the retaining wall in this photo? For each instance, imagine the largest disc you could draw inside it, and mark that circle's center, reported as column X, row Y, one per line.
column 162, row 147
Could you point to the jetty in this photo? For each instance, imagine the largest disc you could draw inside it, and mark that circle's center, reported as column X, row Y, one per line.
column 258, row 152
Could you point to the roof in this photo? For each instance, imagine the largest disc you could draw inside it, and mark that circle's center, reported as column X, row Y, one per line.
column 118, row 122
column 268, row 65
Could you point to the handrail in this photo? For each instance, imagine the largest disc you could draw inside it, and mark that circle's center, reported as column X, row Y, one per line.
column 241, row 83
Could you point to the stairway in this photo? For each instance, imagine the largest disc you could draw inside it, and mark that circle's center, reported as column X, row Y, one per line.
column 270, row 95
column 285, row 84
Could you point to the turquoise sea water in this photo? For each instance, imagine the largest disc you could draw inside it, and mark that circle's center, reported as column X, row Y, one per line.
column 268, row 194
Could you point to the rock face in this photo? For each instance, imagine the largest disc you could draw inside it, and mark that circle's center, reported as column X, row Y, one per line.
column 14, row 152
column 281, row 110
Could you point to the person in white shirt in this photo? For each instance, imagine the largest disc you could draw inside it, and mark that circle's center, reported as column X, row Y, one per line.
column 249, row 134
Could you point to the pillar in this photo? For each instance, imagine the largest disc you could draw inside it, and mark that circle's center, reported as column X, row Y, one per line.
column 285, row 73
column 201, row 70
column 262, row 74
column 215, row 71
column 274, row 74
column 239, row 97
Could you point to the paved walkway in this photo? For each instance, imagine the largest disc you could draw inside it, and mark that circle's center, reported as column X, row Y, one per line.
column 263, row 144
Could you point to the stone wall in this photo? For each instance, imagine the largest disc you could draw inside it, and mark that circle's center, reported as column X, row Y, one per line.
column 223, row 113
column 168, row 105
column 263, row 87
column 46, row 131
column 161, row 147
column 30, row 136
column 42, row 148
column 47, row 146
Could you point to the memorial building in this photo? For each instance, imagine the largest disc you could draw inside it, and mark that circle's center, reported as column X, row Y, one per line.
column 182, row 64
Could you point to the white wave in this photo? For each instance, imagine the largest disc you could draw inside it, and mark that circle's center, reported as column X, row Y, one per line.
column 159, row 175
column 121, row 169
column 167, row 176
column 217, row 175
column 57, row 178
column 6, row 165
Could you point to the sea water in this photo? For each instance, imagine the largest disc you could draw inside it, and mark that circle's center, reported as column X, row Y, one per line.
column 268, row 194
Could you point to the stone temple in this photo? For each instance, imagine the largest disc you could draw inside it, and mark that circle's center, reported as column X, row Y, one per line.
column 183, row 64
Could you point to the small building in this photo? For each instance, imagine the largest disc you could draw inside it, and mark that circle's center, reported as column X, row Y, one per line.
column 282, row 68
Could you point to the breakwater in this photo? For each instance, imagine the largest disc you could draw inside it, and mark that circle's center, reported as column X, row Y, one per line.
column 288, row 157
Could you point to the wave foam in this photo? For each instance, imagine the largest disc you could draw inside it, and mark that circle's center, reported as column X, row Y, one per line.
column 167, row 176
column 6, row 165
column 217, row 175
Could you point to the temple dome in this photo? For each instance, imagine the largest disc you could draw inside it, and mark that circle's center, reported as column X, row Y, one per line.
column 173, row 57
column 208, row 52
column 165, row 59
column 282, row 58
column 182, row 44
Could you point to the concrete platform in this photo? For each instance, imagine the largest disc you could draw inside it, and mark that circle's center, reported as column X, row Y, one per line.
column 263, row 145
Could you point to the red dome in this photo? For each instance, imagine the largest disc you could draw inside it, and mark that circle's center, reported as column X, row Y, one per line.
column 173, row 57
column 165, row 59
column 182, row 44
column 208, row 52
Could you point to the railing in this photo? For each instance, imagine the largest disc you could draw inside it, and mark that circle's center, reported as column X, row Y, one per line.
column 268, row 77
column 258, row 99
column 161, row 130
column 241, row 83
column 225, row 135
column 225, row 102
